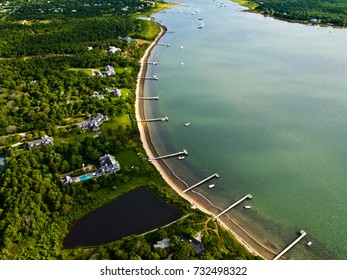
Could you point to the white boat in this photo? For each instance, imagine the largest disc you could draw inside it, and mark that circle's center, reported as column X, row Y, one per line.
column 181, row 157
column 211, row 186
column 186, row 124
column 309, row 243
column 247, row 207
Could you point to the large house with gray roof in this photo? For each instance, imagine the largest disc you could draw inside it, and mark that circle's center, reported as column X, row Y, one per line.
column 93, row 123
column 45, row 140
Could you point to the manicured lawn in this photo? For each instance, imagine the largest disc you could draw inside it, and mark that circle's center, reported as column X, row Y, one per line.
column 149, row 30
column 127, row 159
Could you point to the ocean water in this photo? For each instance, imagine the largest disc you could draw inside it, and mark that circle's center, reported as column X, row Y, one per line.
column 266, row 101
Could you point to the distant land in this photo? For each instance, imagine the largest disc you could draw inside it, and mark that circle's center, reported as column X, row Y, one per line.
column 331, row 12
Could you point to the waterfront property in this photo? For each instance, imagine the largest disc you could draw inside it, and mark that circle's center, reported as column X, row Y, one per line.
column 115, row 91
column 43, row 141
column 109, row 71
column 108, row 164
column 197, row 246
column 135, row 212
column 93, row 123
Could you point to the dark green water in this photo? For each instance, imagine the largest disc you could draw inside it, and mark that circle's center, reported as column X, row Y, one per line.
column 266, row 101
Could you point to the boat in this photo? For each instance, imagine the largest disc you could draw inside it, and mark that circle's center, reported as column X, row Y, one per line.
column 309, row 243
column 186, row 124
column 247, row 207
column 181, row 157
column 211, row 186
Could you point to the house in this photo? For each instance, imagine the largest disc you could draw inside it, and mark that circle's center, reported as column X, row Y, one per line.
column 115, row 91
column 97, row 95
column 93, row 123
column 113, row 50
column 198, row 247
column 45, row 140
column 165, row 243
column 108, row 165
column 126, row 39
column 109, row 70
column 67, row 180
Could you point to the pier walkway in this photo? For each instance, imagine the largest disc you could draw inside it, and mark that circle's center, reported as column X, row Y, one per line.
column 302, row 235
column 184, row 152
column 155, row 120
column 150, row 78
column 203, row 181
column 161, row 44
column 232, row 206
column 149, row 98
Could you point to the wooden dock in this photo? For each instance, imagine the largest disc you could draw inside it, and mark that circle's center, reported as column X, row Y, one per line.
column 184, row 152
column 233, row 205
column 201, row 182
column 291, row 245
column 165, row 45
column 164, row 119
column 149, row 98
column 152, row 62
column 154, row 77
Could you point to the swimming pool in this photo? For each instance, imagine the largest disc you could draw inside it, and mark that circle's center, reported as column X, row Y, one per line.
column 86, row 177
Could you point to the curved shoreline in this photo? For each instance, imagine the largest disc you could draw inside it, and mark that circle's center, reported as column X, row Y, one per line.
column 176, row 183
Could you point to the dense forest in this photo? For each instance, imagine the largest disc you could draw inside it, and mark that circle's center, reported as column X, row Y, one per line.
column 327, row 12
column 50, row 54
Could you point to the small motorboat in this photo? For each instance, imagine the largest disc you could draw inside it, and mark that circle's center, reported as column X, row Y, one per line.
column 186, row 124
column 309, row 243
column 181, row 157
column 211, row 186
column 247, row 207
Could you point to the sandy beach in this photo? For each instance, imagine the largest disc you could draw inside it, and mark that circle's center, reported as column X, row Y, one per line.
column 177, row 184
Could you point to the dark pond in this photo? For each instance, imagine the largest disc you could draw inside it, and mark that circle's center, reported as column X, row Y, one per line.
column 135, row 212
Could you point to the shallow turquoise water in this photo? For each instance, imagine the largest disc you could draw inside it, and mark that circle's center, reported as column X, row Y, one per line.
column 267, row 105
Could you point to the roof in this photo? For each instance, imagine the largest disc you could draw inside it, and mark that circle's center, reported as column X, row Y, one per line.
column 107, row 160
column 45, row 140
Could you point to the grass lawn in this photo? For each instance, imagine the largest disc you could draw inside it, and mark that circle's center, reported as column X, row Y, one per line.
column 248, row 4
column 85, row 70
column 121, row 70
column 127, row 159
column 149, row 30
